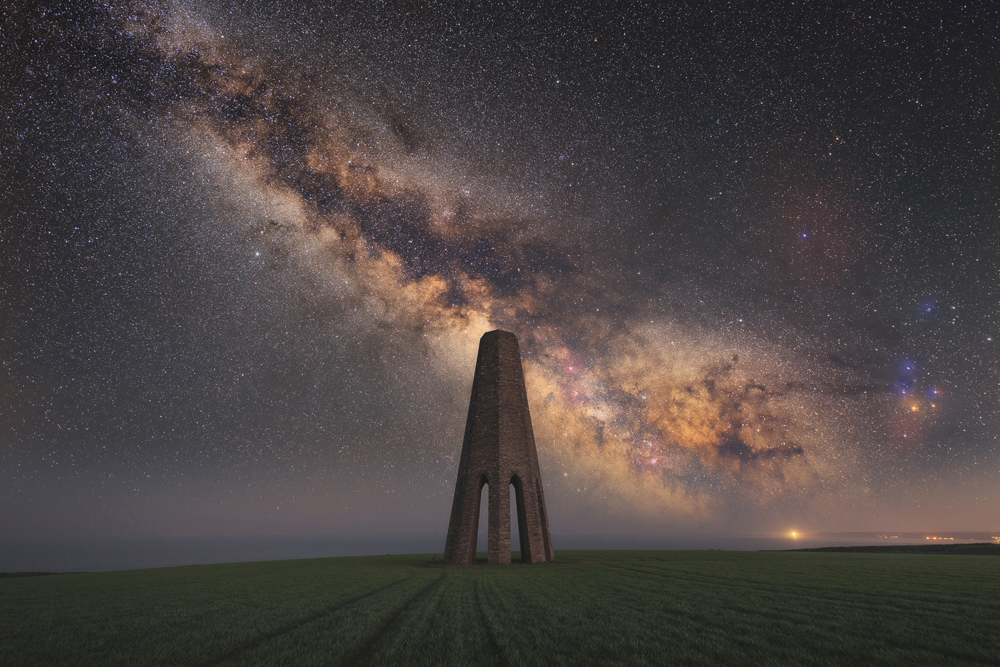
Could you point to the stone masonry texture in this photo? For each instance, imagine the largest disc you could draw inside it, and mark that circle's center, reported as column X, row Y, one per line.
column 498, row 450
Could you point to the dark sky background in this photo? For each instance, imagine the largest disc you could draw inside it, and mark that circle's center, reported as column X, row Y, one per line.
column 248, row 250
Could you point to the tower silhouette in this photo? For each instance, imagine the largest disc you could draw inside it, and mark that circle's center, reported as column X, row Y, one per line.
column 498, row 450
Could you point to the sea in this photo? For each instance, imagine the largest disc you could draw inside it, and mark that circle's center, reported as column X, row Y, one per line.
column 105, row 554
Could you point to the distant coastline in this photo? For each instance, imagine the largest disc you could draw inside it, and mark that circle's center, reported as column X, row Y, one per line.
column 930, row 536
column 974, row 549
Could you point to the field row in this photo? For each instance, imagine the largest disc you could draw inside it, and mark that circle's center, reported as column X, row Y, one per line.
column 588, row 607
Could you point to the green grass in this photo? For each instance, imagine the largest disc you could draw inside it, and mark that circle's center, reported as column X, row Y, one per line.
column 589, row 607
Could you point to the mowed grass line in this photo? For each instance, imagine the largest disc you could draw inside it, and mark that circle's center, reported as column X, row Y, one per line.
column 810, row 581
column 763, row 626
column 910, row 622
column 297, row 624
column 440, row 625
column 346, row 637
column 602, row 608
column 172, row 616
column 614, row 621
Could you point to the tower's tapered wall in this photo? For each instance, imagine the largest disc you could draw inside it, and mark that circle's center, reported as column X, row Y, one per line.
column 499, row 450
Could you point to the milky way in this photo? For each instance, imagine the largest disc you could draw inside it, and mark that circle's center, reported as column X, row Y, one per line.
column 751, row 259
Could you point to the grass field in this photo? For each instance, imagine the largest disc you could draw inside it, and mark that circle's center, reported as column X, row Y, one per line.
column 589, row 607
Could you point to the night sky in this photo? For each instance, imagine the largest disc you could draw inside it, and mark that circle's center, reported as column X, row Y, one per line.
column 248, row 250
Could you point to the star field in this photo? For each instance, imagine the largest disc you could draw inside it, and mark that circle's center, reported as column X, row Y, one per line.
column 248, row 252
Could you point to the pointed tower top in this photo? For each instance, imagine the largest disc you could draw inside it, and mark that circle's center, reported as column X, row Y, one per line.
column 499, row 450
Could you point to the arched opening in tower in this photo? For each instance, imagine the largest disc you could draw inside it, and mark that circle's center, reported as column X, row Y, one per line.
column 518, row 520
column 482, row 533
column 519, row 539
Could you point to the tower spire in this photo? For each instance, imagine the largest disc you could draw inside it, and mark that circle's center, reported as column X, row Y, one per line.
column 498, row 450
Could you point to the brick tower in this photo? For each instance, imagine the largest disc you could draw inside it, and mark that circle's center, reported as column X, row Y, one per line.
column 498, row 450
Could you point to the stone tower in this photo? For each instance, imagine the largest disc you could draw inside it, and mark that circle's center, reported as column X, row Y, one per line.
column 498, row 450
